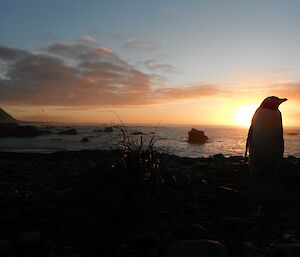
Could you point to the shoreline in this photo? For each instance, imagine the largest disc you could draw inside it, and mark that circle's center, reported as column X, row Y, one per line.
column 54, row 205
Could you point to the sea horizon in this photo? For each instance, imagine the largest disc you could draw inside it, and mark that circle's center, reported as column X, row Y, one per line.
column 229, row 140
column 100, row 123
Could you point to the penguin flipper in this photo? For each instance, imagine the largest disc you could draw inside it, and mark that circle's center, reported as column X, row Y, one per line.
column 248, row 140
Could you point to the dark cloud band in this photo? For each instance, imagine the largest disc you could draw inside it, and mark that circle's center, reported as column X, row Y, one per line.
column 71, row 75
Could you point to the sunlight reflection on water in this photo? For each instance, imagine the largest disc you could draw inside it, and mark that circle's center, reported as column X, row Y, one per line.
column 230, row 141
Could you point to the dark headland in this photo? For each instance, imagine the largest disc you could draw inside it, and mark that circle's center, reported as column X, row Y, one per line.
column 10, row 127
column 6, row 118
column 90, row 203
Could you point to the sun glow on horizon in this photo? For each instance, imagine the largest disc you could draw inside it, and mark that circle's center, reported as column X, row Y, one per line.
column 244, row 114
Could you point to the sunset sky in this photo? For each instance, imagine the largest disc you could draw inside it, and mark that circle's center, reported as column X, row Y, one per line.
column 180, row 62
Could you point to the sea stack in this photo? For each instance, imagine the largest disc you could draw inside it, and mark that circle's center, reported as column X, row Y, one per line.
column 197, row 137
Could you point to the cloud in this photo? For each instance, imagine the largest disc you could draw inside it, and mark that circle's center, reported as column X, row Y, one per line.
column 11, row 54
column 154, row 66
column 67, row 49
column 296, row 116
column 72, row 75
column 286, row 90
column 18, row 110
column 190, row 92
column 134, row 44
column 89, row 39
column 46, row 118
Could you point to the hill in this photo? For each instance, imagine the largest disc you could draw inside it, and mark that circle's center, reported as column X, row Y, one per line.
column 6, row 118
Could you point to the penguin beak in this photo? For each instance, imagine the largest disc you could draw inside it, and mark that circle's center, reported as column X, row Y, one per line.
column 281, row 100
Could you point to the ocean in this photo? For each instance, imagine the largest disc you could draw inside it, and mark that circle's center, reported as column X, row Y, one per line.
column 229, row 141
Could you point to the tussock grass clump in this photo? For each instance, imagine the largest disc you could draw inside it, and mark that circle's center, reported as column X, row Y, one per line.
column 138, row 166
column 128, row 175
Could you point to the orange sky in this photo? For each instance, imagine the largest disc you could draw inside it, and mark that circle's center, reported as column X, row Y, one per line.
column 227, row 110
column 231, row 103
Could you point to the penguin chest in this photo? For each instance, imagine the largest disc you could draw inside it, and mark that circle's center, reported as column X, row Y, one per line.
column 267, row 138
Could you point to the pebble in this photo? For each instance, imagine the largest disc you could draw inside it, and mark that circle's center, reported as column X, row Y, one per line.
column 115, row 200
column 5, row 246
column 286, row 250
column 233, row 222
column 258, row 218
column 196, row 248
column 146, row 240
column 30, row 239
column 192, row 207
column 190, row 232
column 228, row 192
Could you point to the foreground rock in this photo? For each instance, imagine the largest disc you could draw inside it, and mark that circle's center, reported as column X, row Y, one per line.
column 5, row 247
column 190, row 232
column 30, row 239
column 286, row 250
column 196, row 248
column 197, row 137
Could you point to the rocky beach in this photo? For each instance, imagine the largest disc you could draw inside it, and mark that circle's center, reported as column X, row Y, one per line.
column 80, row 203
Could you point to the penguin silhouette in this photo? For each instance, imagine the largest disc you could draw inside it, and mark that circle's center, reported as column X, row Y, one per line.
column 265, row 140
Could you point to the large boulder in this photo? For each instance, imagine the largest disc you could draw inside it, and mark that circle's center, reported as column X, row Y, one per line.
column 197, row 137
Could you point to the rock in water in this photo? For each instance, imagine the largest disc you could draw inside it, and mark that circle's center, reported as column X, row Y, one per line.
column 196, row 248
column 197, row 137
column 68, row 132
column 85, row 140
column 108, row 129
column 138, row 133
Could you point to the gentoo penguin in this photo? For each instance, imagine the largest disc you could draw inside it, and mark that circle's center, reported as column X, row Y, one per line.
column 265, row 140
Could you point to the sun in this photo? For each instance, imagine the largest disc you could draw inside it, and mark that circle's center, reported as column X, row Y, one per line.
column 244, row 115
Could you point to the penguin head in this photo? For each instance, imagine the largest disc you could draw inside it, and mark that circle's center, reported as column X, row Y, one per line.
column 272, row 102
